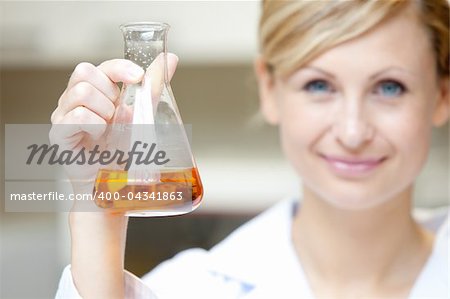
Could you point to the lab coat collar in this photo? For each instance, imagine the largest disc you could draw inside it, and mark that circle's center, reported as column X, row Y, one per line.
column 261, row 250
column 434, row 280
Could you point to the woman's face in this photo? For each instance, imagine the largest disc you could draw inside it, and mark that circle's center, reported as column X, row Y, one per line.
column 356, row 122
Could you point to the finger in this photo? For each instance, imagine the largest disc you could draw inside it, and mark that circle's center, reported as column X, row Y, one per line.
column 86, row 72
column 155, row 73
column 124, row 114
column 172, row 62
column 78, row 120
column 55, row 116
column 156, row 69
column 85, row 94
column 122, row 70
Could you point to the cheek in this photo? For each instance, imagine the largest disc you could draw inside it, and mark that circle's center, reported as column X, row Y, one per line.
column 409, row 136
column 301, row 126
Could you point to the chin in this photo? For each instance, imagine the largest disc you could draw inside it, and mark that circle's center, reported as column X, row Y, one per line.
column 353, row 200
column 353, row 204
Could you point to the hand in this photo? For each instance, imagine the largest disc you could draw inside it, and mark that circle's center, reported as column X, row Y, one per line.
column 88, row 105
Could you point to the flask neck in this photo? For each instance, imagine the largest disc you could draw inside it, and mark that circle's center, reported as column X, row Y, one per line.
column 144, row 41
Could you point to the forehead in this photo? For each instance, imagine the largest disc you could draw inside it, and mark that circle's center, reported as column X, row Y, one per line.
column 401, row 39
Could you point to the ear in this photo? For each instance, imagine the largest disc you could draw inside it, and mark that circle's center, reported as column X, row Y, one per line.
column 267, row 98
column 442, row 108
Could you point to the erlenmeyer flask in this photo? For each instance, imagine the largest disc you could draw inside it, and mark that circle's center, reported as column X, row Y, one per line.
column 159, row 177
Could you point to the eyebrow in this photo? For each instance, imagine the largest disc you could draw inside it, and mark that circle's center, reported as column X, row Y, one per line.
column 393, row 68
column 317, row 69
column 377, row 74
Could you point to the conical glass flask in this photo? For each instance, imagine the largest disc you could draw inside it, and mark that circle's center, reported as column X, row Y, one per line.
column 157, row 174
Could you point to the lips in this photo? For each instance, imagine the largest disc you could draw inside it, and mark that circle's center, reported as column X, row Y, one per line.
column 352, row 166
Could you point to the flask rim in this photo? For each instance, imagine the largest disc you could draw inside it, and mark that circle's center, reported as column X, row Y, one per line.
column 144, row 26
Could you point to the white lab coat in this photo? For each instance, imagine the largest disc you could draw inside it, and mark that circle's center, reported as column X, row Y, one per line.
column 257, row 261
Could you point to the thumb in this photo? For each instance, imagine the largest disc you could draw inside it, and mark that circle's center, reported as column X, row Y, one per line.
column 172, row 62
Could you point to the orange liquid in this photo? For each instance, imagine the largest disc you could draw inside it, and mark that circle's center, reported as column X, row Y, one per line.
column 113, row 191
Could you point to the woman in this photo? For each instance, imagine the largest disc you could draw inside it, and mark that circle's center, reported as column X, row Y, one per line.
column 355, row 88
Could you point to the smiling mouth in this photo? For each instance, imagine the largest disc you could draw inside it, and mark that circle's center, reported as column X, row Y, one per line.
column 352, row 167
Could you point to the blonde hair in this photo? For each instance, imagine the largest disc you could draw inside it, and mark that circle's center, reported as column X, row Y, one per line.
column 292, row 33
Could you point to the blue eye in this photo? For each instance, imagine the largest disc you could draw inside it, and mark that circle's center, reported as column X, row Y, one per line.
column 390, row 89
column 318, row 86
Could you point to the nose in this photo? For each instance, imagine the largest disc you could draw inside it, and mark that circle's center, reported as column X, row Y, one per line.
column 352, row 126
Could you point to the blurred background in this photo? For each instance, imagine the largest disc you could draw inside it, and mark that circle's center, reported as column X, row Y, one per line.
column 238, row 156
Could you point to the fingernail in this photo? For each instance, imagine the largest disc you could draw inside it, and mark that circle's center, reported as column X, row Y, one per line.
column 172, row 56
